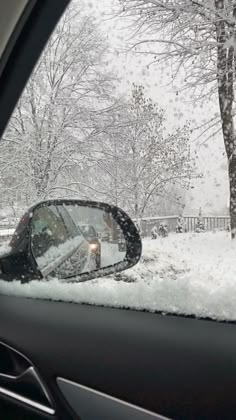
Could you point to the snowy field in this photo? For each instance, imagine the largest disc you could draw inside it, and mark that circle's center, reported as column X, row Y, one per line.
column 185, row 274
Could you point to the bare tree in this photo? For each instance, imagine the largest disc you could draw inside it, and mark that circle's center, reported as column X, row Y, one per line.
column 197, row 37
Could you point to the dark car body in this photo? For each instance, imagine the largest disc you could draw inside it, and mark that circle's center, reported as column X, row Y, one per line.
column 19, row 246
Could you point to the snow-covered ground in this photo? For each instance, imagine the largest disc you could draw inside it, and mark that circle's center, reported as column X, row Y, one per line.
column 184, row 274
column 110, row 254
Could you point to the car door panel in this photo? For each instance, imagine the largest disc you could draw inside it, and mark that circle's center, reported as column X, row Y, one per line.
column 95, row 405
column 174, row 366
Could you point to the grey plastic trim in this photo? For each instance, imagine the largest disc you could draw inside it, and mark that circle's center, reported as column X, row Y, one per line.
column 33, row 372
column 89, row 404
column 27, row 401
column 11, row 10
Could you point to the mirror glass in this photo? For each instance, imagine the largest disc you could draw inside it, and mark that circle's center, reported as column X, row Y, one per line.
column 68, row 240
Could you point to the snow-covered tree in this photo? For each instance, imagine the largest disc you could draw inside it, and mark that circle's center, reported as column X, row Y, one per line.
column 52, row 126
column 198, row 38
column 71, row 133
column 139, row 163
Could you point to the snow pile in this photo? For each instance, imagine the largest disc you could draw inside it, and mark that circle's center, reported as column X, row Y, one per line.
column 110, row 254
column 183, row 274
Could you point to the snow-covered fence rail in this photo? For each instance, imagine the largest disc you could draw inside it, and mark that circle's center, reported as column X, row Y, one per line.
column 8, row 226
column 6, row 232
column 210, row 222
column 6, row 235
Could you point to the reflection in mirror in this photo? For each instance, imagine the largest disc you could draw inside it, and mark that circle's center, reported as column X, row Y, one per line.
column 69, row 239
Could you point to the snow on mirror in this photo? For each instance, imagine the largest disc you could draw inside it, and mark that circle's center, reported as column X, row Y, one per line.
column 68, row 240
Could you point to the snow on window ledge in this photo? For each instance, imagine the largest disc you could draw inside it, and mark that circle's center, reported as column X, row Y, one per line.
column 189, row 274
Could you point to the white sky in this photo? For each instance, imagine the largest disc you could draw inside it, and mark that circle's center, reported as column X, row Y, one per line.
column 211, row 192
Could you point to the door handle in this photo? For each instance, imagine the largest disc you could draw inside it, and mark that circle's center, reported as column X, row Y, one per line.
column 20, row 380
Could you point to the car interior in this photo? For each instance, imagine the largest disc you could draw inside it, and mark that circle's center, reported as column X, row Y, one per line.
column 62, row 360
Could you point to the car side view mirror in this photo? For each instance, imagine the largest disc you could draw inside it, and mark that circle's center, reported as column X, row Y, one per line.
column 71, row 240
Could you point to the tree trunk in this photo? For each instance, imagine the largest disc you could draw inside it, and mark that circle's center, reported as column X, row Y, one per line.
column 225, row 78
column 229, row 140
column 232, row 184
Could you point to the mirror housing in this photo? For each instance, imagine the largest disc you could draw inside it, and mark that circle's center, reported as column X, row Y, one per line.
column 26, row 260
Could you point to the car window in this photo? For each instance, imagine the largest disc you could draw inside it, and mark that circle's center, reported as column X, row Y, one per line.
column 48, row 222
column 68, row 222
column 57, row 246
column 88, row 231
column 132, row 103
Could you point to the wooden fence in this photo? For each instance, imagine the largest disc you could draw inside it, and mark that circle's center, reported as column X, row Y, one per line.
column 211, row 223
